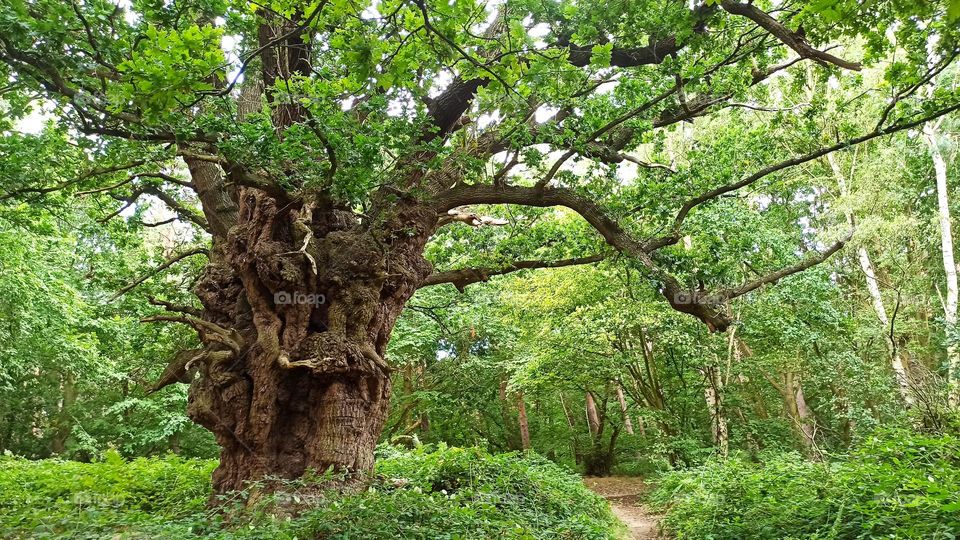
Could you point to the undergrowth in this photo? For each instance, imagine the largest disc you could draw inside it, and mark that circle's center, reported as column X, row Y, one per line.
column 428, row 493
column 898, row 485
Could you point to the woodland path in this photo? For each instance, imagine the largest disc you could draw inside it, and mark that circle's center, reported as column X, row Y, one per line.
column 624, row 493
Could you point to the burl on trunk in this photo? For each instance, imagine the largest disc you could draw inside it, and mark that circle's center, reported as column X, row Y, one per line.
column 299, row 302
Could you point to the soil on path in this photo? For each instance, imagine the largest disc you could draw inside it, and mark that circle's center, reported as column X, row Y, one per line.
column 624, row 494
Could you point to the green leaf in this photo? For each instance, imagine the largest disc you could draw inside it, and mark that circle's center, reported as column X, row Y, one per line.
column 601, row 54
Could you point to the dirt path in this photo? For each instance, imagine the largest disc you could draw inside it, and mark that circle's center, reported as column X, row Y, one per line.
column 623, row 493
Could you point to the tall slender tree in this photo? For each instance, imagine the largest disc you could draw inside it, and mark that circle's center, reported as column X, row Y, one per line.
column 949, row 299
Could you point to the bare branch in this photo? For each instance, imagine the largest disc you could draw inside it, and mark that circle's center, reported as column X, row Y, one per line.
column 176, row 206
column 674, row 236
column 175, row 308
column 182, row 211
column 646, row 164
column 160, row 223
column 458, row 215
column 773, row 277
column 209, row 332
column 167, row 264
column 111, row 187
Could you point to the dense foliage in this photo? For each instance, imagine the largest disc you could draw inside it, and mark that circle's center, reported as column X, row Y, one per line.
column 424, row 493
column 897, row 485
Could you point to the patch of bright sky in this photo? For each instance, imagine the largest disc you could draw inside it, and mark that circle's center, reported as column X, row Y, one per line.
column 372, row 12
column 131, row 16
column 545, row 112
column 488, row 119
column 34, row 122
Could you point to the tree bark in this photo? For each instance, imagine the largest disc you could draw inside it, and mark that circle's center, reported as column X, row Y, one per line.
column 599, row 460
column 299, row 302
column 512, row 436
column 805, row 419
column 799, row 412
column 627, row 424
column 522, row 421
column 64, row 427
column 713, row 391
column 593, row 418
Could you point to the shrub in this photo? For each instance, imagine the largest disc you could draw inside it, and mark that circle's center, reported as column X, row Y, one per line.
column 894, row 486
column 52, row 498
column 424, row 493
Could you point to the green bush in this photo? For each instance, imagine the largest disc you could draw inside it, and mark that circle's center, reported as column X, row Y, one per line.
column 53, row 499
column 425, row 493
column 895, row 486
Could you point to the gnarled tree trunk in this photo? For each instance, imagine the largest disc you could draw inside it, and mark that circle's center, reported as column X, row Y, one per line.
column 300, row 294
column 299, row 303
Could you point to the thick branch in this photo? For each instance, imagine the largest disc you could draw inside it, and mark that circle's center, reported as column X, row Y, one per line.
column 467, row 276
column 773, row 277
column 704, row 305
column 542, row 197
column 654, row 53
column 789, row 38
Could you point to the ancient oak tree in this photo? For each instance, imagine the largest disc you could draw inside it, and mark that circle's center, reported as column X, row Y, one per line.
column 322, row 144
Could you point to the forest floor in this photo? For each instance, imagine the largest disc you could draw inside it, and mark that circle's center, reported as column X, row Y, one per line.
column 624, row 494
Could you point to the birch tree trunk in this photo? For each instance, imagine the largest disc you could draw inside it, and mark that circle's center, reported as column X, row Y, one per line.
column 931, row 137
column 58, row 444
column 593, row 418
column 799, row 412
column 900, row 373
column 627, row 424
column 718, row 423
